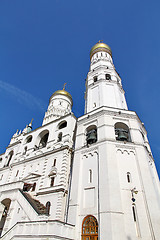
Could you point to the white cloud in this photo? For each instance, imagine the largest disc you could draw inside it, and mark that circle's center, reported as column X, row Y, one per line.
column 23, row 97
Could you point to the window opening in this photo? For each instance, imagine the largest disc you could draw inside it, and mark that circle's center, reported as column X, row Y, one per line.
column 9, row 157
column 44, row 140
column 27, row 187
column 48, row 205
column 63, row 125
column 91, row 135
column 95, row 79
column 60, row 137
column 25, row 150
column 90, row 176
column 18, row 210
column 134, row 213
column 52, row 181
column 108, row 76
column 29, row 139
column 122, row 132
column 17, row 173
column 33, row 187
column 135, row 218
column 54, row 164
column 128, row 177
column 94, row 104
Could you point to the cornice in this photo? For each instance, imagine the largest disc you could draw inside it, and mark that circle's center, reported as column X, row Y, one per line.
column 116, row 112
column 37, row 156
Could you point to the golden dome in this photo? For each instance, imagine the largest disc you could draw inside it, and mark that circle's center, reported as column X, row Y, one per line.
column 100, row 46
column 62, row 92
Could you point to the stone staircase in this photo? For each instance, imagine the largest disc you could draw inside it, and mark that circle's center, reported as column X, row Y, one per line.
column 36, row 204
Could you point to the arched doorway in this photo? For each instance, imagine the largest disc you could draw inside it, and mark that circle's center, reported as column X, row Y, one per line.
column 90, row 228
column 6, row 203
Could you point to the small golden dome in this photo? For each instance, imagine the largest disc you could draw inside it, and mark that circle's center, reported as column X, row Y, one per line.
column 100, row 46
column 62, row 92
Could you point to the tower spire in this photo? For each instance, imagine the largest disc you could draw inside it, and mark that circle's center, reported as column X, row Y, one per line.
column 64, row 86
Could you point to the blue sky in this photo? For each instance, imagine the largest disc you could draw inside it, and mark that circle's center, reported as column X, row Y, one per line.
column 45, row 43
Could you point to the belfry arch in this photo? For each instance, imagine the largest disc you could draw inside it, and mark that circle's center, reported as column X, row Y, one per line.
column 89, row 228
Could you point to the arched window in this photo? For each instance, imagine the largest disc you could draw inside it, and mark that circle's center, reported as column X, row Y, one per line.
column 9, row 157
column 90, row 176
column 122, row 132
column 62, row 125
column 48, row 205
column 90, row 228
column 29, row 139
column 135, row 219
column 43, row 138
column 59, row 137
column 91, row 134
column 6, row 203
column 128, row 177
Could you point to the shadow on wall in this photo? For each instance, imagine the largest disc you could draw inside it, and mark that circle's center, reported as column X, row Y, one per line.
column 129, row 238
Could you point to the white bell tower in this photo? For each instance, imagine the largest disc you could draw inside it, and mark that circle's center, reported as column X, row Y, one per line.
column 60, row 104
column 103, row 84
column 115, row 191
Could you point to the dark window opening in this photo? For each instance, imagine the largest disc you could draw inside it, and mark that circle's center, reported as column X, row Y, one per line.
column 27, row 187
column 29, row 139
column 48, row 205
column 90, row 176
column 134, row 213
column 59, row 137
column 17, row 173
column 33, row 187
column 63, row 125
column 52, row 181
column 128, row 177
column 44, row 140
column 95, row 79
column 9, row 157
column 108, row 76
column 25, row 150
column 122, row 132
column 91, row 135
column 54, row 164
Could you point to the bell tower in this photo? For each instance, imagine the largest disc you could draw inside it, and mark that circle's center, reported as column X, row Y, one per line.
column 115, row 191
column 103, row 84
column 60, row 104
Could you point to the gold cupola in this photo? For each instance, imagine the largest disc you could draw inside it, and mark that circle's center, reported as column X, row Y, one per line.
column 62, row 92
column 100, row 46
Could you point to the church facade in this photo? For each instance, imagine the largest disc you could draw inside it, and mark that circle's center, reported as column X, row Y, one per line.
column 88, row 178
